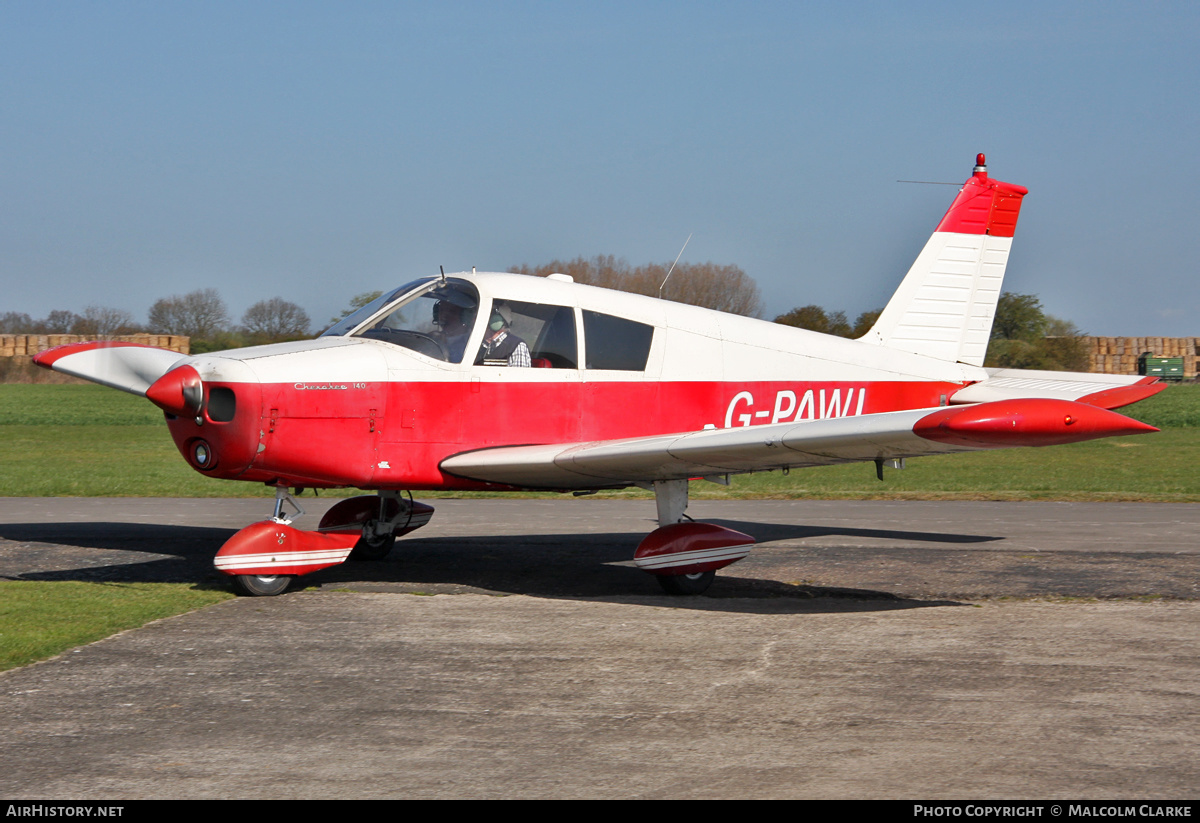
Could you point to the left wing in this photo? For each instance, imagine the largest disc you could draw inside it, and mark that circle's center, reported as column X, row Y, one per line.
column 886, row 436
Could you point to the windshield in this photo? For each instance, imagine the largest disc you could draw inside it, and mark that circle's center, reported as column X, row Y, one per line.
column 433, row 317
column 350, row 321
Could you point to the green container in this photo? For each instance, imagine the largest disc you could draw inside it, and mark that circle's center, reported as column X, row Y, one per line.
column 1166, row 368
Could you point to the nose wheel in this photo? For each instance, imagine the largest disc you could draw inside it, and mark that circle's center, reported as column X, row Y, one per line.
column 262, row 585
column 686, row 584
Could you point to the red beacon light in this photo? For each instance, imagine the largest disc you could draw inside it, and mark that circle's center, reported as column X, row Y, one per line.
column 980, row 165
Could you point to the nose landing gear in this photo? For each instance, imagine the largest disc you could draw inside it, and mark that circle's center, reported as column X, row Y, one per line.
column 264, row 557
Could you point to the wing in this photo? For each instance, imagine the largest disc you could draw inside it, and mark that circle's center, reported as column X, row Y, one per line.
column 911, row 433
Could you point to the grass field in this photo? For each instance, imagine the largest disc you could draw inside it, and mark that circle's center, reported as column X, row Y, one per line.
column 40, row 619
column 88, row 441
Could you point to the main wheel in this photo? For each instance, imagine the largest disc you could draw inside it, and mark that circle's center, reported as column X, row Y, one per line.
column 686, row 584
column 262, row 585
column 372, row 546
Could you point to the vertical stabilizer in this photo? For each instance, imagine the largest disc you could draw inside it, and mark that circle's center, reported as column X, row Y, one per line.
column 945, row 306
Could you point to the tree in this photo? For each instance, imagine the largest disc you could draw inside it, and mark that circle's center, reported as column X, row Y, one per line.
column 1019, row 317
column 865, row 322
column 1025, row 337
column 815, row 318
column 60, row 321
column 101, row 321
column 811, row 317
column 356, row 303
column 274, row 320
column 710, row 285
column 1066, row 345
column 12, row 322
column 200, row 315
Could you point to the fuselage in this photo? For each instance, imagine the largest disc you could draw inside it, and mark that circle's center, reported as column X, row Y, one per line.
column 365, row 412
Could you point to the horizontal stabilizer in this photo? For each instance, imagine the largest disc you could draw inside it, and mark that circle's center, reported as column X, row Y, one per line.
column 1108, row 391
column 129, row 367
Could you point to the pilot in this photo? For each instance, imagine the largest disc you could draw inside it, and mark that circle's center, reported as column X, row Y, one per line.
column 455, row 327
column 500, row 346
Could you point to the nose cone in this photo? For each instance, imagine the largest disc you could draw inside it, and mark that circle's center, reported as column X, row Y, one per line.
column 214, row 415
column 179, row 392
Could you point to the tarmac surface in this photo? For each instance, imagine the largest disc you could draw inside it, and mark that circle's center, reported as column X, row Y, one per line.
column 509, row 649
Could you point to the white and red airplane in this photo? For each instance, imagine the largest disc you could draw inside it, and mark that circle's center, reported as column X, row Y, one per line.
column 485, row 381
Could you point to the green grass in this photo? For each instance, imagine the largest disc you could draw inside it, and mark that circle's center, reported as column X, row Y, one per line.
column 89, row 441
column 104, row 461
column 1175, row 408
column 42, row 619
column 23, row 404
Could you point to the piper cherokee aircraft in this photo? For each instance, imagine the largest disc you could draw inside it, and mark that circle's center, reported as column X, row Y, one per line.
column 487, row 381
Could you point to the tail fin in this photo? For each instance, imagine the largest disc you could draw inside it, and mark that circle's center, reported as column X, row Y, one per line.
column 945, row 306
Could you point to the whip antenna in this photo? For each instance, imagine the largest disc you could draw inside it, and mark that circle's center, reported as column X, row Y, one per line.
column 668, row 277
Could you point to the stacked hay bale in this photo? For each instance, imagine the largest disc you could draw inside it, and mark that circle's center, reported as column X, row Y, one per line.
column 1119, row 355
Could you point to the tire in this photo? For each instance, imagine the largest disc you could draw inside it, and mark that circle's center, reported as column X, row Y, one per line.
column 686, row 584
column 261, row 585
column 372, row 547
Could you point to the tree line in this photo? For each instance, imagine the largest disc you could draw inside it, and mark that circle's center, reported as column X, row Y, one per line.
column 201, row 315
column 1023, row 335
column 711, row 285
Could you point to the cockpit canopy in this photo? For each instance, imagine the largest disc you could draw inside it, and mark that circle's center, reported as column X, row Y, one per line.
column 435, row 316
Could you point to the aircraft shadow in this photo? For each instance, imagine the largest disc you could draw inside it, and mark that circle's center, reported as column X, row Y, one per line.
column 766, row 532
column 553, row 566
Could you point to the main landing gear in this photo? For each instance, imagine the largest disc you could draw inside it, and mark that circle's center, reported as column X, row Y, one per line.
column 685, row 556
column 264, row 557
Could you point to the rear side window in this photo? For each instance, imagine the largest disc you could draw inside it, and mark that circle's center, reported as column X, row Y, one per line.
column 616, row 343
column 548, row 331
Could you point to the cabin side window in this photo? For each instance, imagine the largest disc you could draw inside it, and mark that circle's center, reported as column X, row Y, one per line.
column 547, row 331
column 616, row 343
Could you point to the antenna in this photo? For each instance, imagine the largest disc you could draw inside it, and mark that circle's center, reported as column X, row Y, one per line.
column 668, row 277
column 443, row 271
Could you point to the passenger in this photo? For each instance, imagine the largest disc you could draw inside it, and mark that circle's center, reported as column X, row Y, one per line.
column 500, row 346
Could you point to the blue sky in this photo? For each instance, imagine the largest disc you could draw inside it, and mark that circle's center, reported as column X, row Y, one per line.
column 317, row 150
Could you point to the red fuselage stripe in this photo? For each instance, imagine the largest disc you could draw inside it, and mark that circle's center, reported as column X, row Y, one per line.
column 394, row 435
